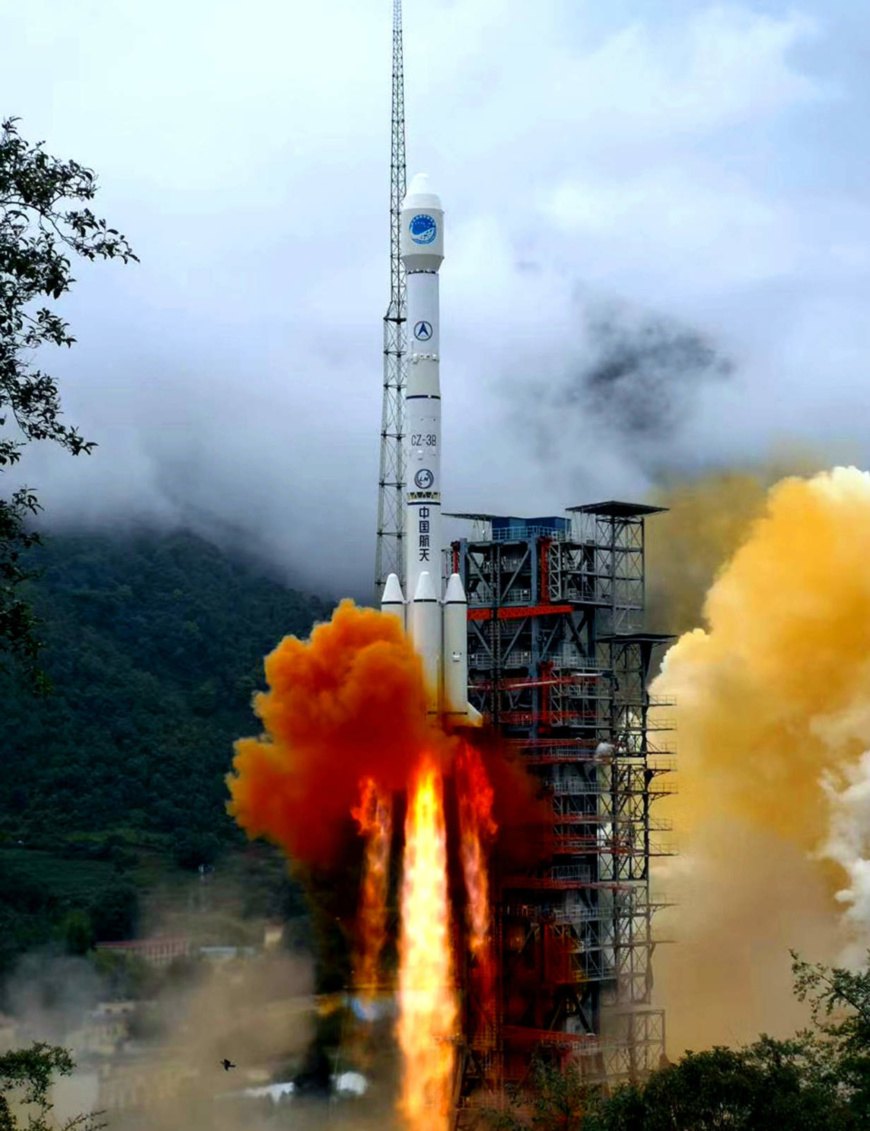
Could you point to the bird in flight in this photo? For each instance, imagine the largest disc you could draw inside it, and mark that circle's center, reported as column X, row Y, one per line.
column 228, row 1064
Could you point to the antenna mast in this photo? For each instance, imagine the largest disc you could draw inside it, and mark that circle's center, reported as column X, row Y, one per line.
column 391, row 485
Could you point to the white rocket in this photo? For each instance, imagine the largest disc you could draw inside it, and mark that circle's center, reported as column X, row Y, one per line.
column 436, row 623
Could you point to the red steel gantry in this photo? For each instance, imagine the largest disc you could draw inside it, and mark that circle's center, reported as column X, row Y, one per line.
column 559, row 663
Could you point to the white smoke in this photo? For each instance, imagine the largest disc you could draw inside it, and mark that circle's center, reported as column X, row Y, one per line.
column 848, row 844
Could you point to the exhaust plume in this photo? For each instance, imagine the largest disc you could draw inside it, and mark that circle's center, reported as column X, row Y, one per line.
column 258, row 1010
column 773, row 714
column 476, row 831
column 346, row 728
column 375, row 819
column 707, row 519
column 345, row 705
column 427, row 995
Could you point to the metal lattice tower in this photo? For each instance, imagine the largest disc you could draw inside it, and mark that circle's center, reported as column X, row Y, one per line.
column 559, row 661
column 389, row 557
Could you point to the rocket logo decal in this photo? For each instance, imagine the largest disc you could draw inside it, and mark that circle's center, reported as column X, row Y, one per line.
column 424, row 478
column 423, row 228
column 423, row 331
column 423, row 538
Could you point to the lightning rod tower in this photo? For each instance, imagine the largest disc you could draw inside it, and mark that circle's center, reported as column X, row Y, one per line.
column 391, row 481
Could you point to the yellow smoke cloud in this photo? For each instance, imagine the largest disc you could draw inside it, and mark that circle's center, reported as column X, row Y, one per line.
column 706, row 521
column 773, row 715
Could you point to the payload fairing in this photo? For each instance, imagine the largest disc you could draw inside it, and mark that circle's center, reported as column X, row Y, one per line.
column 436, row 623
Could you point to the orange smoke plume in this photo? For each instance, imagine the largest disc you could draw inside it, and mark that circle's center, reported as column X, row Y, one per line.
column 349, row 703
column 375, row 819
column 428, row 1012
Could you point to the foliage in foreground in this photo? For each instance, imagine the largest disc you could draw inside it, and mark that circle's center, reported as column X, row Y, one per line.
column 554, row 1099
column 818, row 1081
column 840, row 1037
column 768, row 1086
column 39, row 231
column 25, row 1078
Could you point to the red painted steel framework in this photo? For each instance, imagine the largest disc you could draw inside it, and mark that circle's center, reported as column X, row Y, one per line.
column 559, row 663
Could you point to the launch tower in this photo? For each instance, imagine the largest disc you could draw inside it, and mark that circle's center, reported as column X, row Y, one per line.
column 389, row 557
column 559, row 661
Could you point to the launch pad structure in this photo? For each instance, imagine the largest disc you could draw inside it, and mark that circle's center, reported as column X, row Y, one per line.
column 559, row 663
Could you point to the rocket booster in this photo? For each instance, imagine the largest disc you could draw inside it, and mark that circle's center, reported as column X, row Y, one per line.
column 435, row 621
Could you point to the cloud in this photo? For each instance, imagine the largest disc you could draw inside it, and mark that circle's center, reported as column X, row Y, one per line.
column 686, row 164
column 639, row 372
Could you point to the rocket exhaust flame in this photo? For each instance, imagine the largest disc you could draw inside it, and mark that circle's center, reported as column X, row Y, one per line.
column 476, row 825
column 375, row 819
column 347, row 726
column 428, row 1015
column 476, row 829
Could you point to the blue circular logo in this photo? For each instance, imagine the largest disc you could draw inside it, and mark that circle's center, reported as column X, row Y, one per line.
column 424, row 478
column 423, row 228
column 423, row 331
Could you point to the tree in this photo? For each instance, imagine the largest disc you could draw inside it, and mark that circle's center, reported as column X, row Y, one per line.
column 38, row 231
column 818, row 1081
column 114, row 912
column 193, row 849
column 25, row 1078
column 768, row 1086
column 76, row 931
column 555, row 1100
column 840, row 1007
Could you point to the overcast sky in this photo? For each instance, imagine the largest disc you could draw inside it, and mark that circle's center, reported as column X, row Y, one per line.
column 658, row 249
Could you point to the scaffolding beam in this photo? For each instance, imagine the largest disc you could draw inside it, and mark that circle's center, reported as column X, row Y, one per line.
column 559, row 662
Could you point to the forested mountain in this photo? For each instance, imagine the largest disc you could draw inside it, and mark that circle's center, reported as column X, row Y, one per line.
column 154, row 645
column 114, row 780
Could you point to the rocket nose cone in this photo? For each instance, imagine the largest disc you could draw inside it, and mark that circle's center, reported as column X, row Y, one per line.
column 455, row 594
column 425, row 589
column 420, row 194
column 392, row 594
column 419, row 184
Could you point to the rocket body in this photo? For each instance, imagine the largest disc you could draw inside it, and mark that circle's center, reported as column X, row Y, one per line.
column 422, row 246
column 436, row 623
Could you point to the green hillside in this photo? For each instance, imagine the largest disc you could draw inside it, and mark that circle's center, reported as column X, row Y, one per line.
column 154, row 645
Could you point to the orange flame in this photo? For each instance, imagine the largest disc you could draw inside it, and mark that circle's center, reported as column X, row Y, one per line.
column 476, row 824
column 375, row 819
column 427, row 999
column 476, row 830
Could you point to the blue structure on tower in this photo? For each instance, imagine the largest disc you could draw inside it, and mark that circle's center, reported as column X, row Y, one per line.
column 559, row 662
